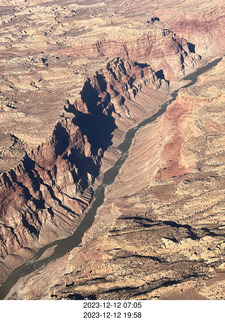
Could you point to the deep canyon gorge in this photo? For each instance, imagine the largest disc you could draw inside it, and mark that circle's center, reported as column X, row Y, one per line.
column 112, row 149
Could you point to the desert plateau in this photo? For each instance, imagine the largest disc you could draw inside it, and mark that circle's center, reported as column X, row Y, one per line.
column 112, row 150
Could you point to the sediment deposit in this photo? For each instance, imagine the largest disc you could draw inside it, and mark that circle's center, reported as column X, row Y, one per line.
column 66, row 105
column 166, row 221
column 44, row 197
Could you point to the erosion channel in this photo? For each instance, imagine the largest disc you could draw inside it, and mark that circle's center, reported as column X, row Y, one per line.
column 63, row 246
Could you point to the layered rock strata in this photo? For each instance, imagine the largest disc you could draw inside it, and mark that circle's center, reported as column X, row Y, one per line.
column 201, row 23
column 160, row 233
column 50, row 160
column 48, row 49
column 44, row 197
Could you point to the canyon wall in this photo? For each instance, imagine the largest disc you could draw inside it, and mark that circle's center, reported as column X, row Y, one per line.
column 162, row 216
column 75, row 78
column 201, row 23
column 44, row 197
column 60, row 124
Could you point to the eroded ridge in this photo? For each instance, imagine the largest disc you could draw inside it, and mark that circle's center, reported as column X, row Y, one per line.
column 50, row 168
column 44, row 197
column 125, row 219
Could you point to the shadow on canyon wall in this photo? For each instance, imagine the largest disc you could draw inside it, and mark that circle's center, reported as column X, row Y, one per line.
column 98, row 125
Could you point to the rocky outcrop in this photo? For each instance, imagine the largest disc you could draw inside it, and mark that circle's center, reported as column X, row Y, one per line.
column 201, row 23
column 209, row 21
column 49, row 166
column 53, row 157
column 44, row 197
column 162, row 49
column 37, row 80
column 162, row 217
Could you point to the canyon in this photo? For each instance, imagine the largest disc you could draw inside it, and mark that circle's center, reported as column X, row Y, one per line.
column 68, row 106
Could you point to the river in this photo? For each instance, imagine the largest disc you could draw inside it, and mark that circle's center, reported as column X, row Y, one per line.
column 65, row 245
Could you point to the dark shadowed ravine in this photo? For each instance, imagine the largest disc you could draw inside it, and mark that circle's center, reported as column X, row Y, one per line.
column 63, row 246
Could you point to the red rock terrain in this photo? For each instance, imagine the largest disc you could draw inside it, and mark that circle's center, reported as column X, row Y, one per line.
column 164, row 220
column 99, row 69
column 44, row 197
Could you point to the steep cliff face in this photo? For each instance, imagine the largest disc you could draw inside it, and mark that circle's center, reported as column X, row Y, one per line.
column 47, row 183
column 74, row 40
column 44, row 197
column 210, row 21
column 160, row 47
column 201, row 23
column 52, row 157
column 162, row 217
column 41, row 189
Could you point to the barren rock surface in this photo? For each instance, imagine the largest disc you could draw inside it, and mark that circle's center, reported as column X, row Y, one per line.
column 159, row 233
column 47, row 51
column 74, row 78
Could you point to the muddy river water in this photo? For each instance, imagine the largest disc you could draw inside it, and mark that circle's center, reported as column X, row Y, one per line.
column 65, row 245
